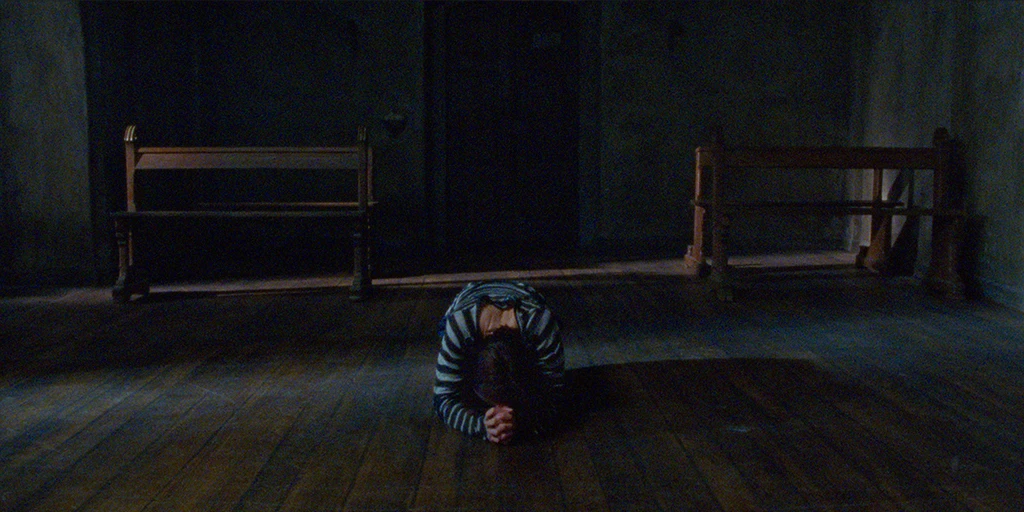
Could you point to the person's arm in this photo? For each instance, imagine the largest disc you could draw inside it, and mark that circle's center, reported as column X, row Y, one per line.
column 550, row 354
column 545, row 331
column 449, row 402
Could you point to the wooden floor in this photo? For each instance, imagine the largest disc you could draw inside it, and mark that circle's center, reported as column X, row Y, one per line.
column 814, row 390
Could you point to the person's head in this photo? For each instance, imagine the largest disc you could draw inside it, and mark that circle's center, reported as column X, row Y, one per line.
column 503, row 373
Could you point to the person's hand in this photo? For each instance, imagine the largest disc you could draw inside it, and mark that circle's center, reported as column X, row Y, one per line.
column 500, row 423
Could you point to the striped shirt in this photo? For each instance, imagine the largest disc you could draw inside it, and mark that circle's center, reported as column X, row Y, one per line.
column 460, row 330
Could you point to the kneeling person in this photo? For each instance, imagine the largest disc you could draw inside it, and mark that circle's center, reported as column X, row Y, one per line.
column 501, row 367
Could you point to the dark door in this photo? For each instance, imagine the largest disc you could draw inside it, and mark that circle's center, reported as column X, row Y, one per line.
column 512, row 117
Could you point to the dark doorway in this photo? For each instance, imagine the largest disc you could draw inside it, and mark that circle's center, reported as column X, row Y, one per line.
column 512, row 81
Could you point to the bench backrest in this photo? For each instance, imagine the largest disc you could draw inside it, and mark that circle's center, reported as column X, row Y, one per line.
column 718, row 158
column 824, row 158
column 357, row 158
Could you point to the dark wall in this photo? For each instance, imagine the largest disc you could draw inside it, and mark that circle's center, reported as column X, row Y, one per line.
column 989, row 117
column 45, row 226
column 653, row 78
column 259, row 74
column 961, row 65
column 769, row 73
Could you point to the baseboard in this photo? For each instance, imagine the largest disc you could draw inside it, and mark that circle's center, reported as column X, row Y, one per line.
column 46, row 278
column 1009, row 296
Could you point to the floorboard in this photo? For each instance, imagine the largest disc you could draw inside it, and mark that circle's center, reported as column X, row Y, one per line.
column 818, row 388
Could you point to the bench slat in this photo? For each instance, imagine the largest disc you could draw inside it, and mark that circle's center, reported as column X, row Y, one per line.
column 839, row 211
column 815, row 204
column 250, row 149
column 237, row 214
column 282, row 205
column 823, row 158
column 249, row 158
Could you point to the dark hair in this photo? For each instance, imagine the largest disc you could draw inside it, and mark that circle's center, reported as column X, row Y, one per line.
column 502, row 369
column 506, row 372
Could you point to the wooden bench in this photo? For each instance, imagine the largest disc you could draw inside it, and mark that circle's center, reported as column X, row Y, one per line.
column 357, row 159
column 714, row 211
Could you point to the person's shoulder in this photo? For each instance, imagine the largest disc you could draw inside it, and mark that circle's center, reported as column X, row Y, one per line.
column 500, row 288
column 500, row 283
column 521, row 288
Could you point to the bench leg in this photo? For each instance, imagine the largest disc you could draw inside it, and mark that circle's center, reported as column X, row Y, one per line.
column 121, row 233
column 130, row 279
column 720, row 278
column 361, row 280
column 876, row 256
column 134, row 282
column 694, row 259
column 943, row 276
